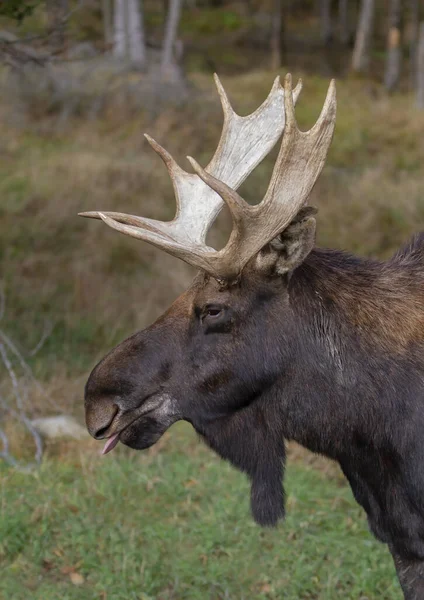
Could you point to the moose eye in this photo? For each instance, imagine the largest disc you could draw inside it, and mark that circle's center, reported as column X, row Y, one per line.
column 215, row 318
column 212, row 311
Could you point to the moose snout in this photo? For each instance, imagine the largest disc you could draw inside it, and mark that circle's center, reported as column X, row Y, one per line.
column 100, row 417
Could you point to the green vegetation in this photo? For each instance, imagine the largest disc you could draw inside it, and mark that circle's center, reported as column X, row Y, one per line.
column 17, row 9
column 175, row 524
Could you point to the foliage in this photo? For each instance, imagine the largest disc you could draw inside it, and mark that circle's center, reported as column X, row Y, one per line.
column 212, row 22
column 17, row 9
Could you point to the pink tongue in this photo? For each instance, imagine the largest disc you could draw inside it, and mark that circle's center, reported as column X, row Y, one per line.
column 111, row 443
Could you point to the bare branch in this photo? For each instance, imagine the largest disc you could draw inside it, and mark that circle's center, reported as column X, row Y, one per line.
column 2, row 302
column 20, row 410
column 24, row 366
column 48, row 328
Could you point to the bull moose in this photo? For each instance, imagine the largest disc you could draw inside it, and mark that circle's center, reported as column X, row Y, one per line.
column 278, row 340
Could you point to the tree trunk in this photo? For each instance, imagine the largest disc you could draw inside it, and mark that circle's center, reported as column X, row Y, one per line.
column 107, row 22
column 57, row 12
column 344, row 32
column 420, row 68
column 326, row 23
column 172, row 21
column 361, row 51
column 129, row 41
column 393, row 60
column 137, row 43
column 120, row 41
column 277, row 35
column 414, row 21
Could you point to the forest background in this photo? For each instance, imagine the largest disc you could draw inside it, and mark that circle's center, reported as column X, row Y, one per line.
column 80, row 82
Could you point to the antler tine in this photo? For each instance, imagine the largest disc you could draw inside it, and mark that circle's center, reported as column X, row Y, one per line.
column 328, row 112
column 225, row 103
column 288, row 104
column 301, row 157
column 169, row 161
column 120, row 217
column 233, row 200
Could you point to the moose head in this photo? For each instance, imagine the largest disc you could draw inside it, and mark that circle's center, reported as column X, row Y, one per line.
column 219, row 356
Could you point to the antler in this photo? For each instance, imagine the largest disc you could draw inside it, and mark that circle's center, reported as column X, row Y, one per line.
column 244, row 142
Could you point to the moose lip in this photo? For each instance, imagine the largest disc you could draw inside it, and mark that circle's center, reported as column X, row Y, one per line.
column 113, row 440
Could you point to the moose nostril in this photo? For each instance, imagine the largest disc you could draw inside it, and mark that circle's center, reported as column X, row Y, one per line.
column 100, row 433
column 100, row 423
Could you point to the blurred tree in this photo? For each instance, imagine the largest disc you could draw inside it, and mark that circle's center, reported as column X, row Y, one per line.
column 344, row 29
column 168, row 65
column 120, row 32
column 57, row 13
column 277, row 34
column 414, row 22
column 129, row 40
column 420, row 67
column 393, row 57
column 107, row 22
column 364, row 30
column 326, row 21
column 17, row 9
column 137, row 40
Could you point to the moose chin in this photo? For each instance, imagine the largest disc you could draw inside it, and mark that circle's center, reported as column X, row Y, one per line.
column 278, row 340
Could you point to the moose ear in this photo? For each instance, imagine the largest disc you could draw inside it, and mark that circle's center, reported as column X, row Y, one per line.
column 289, row 249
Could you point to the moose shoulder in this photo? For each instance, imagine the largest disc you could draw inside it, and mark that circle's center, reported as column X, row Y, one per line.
column 277, row 340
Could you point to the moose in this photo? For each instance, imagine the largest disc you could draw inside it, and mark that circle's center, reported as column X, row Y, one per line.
column 277, row 339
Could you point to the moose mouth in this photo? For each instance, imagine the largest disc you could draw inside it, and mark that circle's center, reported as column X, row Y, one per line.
column 147, row 425
column 113, row 440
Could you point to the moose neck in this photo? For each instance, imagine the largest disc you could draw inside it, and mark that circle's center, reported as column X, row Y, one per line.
column 375, row 306
column 355, row 322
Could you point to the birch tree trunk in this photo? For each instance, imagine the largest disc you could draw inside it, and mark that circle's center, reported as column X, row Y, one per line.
column 120, row 33
column 344, row 31
column 420, row 67
column 361, row 51
column 137, row 43
column 393, row 60
column 168, row 63
column 129, row 40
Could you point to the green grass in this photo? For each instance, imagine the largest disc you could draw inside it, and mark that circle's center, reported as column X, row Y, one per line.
column 176, row 524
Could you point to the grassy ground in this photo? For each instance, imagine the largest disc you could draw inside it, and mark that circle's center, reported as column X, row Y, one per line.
column 174, row 524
